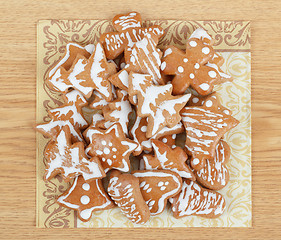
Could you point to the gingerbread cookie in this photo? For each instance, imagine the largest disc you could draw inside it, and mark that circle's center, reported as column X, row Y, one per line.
column 215, row 175
column 71, row 51
column 86, row 75
column 70, row 114
column 212, row 100
column 119, row 110
column 138, row 134
column 125, row 192
column 195, row 200
column 157, row 186
column 156, row 102
column 70, row 160
column 192, row 67
column 111, row 146
column 86, row 198
column 129, row 32
column 204, row 127
column 167, row 158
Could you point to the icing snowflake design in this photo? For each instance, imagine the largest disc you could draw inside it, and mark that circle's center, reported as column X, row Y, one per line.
column 70, row 160
column 111, row 146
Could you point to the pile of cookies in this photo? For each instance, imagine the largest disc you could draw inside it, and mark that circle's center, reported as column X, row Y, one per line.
column 145, row 100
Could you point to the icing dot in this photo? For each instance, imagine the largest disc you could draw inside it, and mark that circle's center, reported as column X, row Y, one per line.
column 174, row 136
column 163, row 65
column 180, row 69
column 86, row 186
column 164, row 140
column 195, row 161
column 209, row 103
column 162, row 188
column 193, row 44
column 160, row 184
column 103, row 159
column 103, row 142
column 195, row 100
column 206, row 50
column 122, row 65
column 99, row 152
column 146, row 187
column 196, row 66
column 110, row 144
column 114, row 149
column 174, row 146
column 226, row 112
column 205, row 193
column 166, row 183
column 84, row 199
column 149, row 190
column 151, row 203
column 114, row 156
column 109, row 161
column 106, row 150
column 204, row 86
column 142, row 184
column 212, row 74
column 191, row 75
column 143, row 128
column 185, row 60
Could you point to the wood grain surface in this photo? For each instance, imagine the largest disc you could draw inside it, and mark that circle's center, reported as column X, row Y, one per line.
column 17, row 111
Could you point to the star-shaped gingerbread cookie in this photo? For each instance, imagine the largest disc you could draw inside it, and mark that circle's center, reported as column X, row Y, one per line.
column 111, row 146
column 167, row 158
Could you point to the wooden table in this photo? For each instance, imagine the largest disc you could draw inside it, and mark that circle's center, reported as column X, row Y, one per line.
column 17, row 111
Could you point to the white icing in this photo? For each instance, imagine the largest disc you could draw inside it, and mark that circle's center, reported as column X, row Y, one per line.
column 193, row 43
column 200, row 33
column 195, row 100
column 185, row 60
column 206, row 50
column 196, row 66
column 204, row 86
column 161, row 200
column 164, row 140
column 167, row 52
column 84, row 199
column 163, row 65
column 209, row 103
column 212, row 74
column 191, row 75
column 86, row 186
column 180, row 69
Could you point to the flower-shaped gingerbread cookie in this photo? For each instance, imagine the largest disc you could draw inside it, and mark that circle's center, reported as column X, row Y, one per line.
column 195, row 200
column 156, row 102
column 167, row 158
column 70, row 160
column 70, row 114
column 86, row 75
column 124, row 190
column 192, row 67
column 157, row 186
column 86, row 197
column 111, row 146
